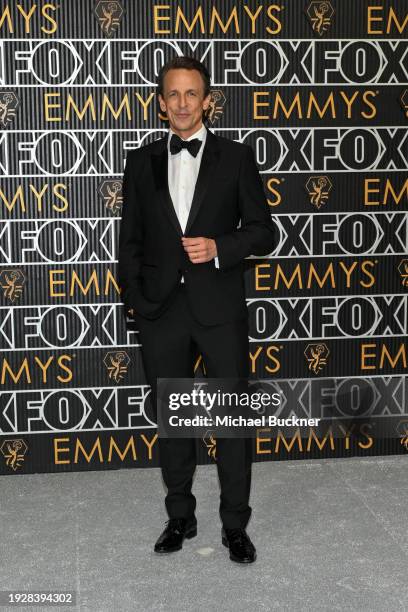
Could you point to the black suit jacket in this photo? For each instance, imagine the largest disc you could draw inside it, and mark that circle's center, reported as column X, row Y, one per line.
column 152, row 259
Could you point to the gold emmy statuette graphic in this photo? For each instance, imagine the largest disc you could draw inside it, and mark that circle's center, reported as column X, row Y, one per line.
column 402, row 430
column 111, row 192
column 403, row 270
column 320, row 15
column 318, row 188
column 8, row 106
column 116, row 363
column 316, row 355
column 13, row 452
column 404, row 101
column 109, row 15
column 11, row 281
column 211, row 444
column 216, row 107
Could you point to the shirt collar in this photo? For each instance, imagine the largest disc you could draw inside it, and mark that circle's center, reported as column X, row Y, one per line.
column 201, row 134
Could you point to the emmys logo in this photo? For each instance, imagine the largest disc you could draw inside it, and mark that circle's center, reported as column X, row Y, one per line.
column 216, row 106
column 211, row 443
column 13, row 451
column 320, row 15
column 111, row 192
column 404, row 101
column 316, row 355
column 109, row 15
column 403, row 270
column 318, row 188
column 11, row 281
column 199, row 365
column 8, row 106
column 116, row 363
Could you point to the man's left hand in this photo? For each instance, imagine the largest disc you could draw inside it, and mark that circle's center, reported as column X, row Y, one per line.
column 200, row 249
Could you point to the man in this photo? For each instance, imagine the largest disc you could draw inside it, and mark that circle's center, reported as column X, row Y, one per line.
column 181, row 265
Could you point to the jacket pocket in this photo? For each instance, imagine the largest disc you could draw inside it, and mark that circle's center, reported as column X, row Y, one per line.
column 149, row 269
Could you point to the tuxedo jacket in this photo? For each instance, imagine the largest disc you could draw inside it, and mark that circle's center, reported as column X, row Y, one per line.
column 229, row 205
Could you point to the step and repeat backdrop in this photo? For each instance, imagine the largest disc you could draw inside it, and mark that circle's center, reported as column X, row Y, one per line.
column 320, row 91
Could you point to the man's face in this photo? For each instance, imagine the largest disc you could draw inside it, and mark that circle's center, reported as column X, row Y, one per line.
column 183, row 100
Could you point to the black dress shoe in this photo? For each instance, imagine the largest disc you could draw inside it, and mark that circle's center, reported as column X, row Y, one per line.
column 176, row 530
column 240, row 546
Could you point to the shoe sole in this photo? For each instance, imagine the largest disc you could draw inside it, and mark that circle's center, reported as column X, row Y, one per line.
column 233, row 557
column 189, row 534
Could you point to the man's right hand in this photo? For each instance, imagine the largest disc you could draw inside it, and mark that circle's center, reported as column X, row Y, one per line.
column 130, row 312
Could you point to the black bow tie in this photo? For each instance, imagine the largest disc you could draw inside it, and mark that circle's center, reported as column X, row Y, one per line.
column 177, row 143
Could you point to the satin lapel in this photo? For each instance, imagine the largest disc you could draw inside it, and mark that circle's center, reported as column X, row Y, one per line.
column 209, row 161
column 160, row 174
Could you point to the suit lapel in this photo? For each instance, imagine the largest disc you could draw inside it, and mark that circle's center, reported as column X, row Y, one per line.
column 209, row 161
column 160, row 175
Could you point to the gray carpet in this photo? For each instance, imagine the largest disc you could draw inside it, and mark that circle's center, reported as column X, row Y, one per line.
column 330, row 535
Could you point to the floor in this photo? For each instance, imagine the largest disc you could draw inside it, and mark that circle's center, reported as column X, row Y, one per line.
column 330, row 535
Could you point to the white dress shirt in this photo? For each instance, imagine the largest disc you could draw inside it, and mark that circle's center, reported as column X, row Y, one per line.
column 183, row 170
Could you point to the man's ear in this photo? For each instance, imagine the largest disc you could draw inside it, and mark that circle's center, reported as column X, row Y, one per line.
column 162, row 103
column 206, row 102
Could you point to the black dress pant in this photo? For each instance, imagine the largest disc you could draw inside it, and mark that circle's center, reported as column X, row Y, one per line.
column 170, row 346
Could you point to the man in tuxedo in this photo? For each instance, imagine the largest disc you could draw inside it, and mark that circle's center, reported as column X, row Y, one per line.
column 193, row 209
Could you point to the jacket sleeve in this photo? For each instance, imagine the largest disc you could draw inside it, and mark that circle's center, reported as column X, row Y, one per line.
column 130, row 236
column 256, row 234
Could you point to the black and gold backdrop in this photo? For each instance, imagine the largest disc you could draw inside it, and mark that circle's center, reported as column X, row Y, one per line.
column 320, row 91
